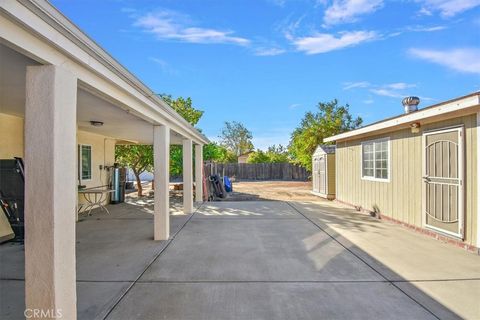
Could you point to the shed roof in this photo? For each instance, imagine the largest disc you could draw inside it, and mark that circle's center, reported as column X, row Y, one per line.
column 450, row 108
column 325, row 148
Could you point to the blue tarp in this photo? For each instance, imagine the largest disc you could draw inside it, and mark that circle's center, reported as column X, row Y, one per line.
column 228, row 184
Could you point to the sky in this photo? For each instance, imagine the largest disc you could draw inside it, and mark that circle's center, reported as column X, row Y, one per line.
column 265, row 63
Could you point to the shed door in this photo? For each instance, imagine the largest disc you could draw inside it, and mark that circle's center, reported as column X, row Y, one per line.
column 443, row 181
column 322, row 188
column 315, row 174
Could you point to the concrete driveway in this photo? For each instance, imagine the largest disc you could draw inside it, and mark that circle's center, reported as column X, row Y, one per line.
column 263, row 260
column 275, row 260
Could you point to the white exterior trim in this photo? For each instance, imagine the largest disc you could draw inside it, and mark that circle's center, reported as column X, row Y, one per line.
column 80, row 162
column 478, row 179
column 389, row 160
column 437, row 110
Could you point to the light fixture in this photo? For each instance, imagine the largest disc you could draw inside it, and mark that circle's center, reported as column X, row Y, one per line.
column 96, row 123
column 415, row 127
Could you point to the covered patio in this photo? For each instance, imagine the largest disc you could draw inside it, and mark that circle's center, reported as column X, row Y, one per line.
column 59, row 90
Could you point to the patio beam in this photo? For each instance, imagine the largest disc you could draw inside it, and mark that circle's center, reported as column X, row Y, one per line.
column 187, row 176
column 199, row 173
column 50, row 191
column 161, row 159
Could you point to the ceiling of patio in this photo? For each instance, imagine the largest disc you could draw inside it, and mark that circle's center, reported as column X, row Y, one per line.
column 117, row 122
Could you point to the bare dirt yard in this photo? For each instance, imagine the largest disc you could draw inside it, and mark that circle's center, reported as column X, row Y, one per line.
column 271, row 190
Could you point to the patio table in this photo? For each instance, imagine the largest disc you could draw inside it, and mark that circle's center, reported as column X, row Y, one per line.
column 94, row 197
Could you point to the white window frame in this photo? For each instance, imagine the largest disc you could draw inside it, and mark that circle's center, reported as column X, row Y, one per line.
column 80, row 161
column 387, row 139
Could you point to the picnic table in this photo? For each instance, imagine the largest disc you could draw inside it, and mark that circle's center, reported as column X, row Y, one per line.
column 95, row 197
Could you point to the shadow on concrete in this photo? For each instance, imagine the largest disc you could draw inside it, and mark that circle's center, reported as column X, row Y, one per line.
column 232, row 260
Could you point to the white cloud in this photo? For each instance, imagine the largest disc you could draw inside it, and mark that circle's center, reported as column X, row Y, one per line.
column 353, row 85
column 465, row 60
column 279, row 3
column 170, row 25
column 447, row 8
column 387, row 93
column 344, row 11
column 261, row 51
column 425, row 28
column 324, row 42
column 164, row 66
column 392, row 90
column 294, row 106
column 399, row 85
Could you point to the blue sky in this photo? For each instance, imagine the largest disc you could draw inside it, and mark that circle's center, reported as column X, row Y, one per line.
column 266, row 62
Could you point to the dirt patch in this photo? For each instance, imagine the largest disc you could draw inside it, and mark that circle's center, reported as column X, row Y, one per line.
column 272, row 190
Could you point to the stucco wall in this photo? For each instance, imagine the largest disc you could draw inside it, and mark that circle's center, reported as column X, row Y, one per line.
column 103, row 148
column 103, row 153
column 401, row 197
column 11, row 136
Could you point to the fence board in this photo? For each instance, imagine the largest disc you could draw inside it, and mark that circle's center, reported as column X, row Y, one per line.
column 258, row 171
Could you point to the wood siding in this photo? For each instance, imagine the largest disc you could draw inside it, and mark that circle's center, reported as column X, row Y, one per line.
column 401, row 197
column 331, row 175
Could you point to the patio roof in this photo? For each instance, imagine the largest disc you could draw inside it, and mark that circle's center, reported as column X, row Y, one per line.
column 50, row 38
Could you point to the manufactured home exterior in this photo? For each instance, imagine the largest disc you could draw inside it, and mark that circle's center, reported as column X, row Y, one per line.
column 419, row 169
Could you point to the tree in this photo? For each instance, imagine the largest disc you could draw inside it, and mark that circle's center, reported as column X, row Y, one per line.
column 217, row 153
column 277, row 154
column 236, row 138
column 139, row 158
column 274, row 154
column 258, row 157
column 185, row 108
column 329, row 120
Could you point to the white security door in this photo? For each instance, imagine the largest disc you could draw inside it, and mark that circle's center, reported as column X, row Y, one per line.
column 443, row 181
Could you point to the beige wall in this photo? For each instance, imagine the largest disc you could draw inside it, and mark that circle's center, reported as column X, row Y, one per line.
column 331, row 175
column 103, row 153
column 11, row 136
column 103, row 148
column 401, row 198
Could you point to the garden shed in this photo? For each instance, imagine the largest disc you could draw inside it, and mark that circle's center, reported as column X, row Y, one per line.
column 323, row 171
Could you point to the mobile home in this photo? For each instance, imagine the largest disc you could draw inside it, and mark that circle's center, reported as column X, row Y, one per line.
column 419, row 169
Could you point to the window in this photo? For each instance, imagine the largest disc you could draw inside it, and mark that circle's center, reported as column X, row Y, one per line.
column 375, row 159
column 85, row 161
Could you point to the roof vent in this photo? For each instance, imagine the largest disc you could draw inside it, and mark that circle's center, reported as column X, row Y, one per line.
column 410, row 104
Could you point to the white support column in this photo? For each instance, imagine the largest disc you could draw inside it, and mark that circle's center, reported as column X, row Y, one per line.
column 187, row 177
column 199, row 173
column 50, row 191
column 161, row 154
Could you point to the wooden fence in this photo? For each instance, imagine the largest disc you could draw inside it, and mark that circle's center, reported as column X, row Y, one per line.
column 258, row 171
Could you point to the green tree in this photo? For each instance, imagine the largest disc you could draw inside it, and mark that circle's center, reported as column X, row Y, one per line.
column 274, row 154
column 277, row 154
column 139, row 158
column 236, row 138
column 185, row 108
column 258, row 157
column 330, row 119
column 217, row 153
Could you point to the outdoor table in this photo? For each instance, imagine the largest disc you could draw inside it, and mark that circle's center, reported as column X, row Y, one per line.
column 94, row 197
